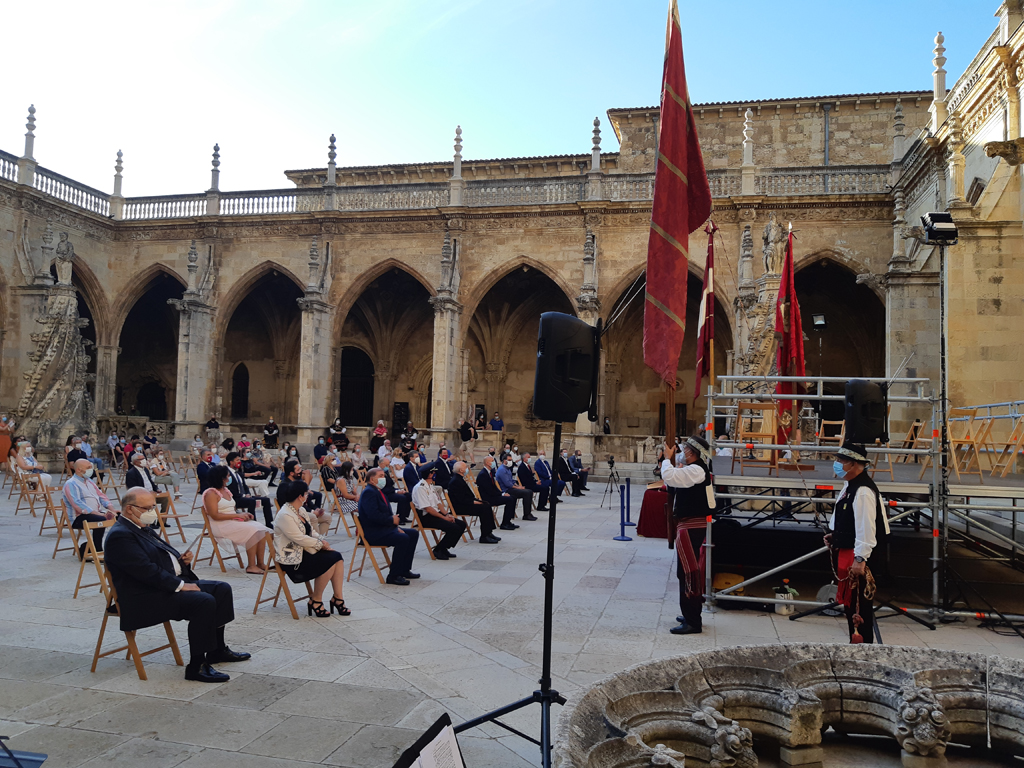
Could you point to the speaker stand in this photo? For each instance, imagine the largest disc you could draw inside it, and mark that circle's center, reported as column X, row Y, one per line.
column 545, row 695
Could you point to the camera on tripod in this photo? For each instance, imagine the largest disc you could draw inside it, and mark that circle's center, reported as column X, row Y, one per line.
column 611, row 462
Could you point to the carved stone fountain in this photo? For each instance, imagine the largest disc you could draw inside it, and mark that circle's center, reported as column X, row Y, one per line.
column 707, row 709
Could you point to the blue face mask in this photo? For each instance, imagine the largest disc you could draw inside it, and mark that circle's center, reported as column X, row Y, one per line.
column 837, row 467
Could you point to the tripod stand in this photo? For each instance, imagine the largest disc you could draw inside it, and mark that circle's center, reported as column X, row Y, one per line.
column 612, row 485
column 545, row 695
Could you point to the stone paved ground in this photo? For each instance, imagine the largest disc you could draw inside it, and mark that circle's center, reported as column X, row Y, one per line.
column 355, row 692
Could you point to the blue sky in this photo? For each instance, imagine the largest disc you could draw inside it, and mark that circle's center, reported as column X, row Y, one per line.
column 270, row 81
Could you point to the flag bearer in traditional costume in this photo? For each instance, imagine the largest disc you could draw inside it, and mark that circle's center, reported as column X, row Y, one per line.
column 857, row 528
column 694, row 501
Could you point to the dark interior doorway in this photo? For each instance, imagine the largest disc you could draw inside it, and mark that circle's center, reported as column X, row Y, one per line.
column 240, row 392
column 356, row 406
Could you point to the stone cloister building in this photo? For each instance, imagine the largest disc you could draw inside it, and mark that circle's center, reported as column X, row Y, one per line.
column 413, row 290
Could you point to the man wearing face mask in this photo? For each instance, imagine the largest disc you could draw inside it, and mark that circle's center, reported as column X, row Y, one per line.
column 543, row 470
column 403, row 501
column 382, row 529
column 443, row 468
column 465, row 503
column 293, row 472
column 203, row 467
column 139, row 477
column 246, row 498
column 491, row 494
column 320, row 450
column 527, row 479
column 857, row 527
column 506, row 479
column 424, row 498
column 86, row 502
column 270, row 433
column 694, row 501
column 565, row 473
column 155, row 584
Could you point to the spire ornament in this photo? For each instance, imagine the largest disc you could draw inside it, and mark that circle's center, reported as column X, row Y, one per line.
column 30, row 134
column 215, row 171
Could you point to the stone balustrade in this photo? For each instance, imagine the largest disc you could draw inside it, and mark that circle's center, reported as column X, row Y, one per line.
column 8, row 166
column 525, row 191
column 709, row 706
column 823, row 180
column 165, row 207
column 70, row 191
column 392, row 197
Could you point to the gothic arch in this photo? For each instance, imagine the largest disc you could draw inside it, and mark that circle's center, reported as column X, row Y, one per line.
column 492, row 278
column 242, row 287
column 138, row 288
column 351, row 294
column 95, row 298
column 853, row 265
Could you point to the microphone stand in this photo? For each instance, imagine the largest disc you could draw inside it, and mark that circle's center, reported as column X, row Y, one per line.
column 545, row 695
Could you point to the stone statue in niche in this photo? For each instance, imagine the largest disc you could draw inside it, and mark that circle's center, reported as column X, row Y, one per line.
column 65, row 253
column 773, row 247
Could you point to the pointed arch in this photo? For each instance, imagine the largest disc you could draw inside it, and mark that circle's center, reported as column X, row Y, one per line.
column 351, row 295
column 494, row 277
column 139, row 286
column 241, row 288
column 91, row 289
column 851, row 264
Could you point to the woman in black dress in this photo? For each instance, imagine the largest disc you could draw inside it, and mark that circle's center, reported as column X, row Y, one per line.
column 304, row 554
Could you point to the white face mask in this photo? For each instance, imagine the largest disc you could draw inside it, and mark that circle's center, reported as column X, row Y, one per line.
column 90, row 472
column 508, row 463
column 381, row 482
column 541, row 456
column 295, row 453
column 149, row 517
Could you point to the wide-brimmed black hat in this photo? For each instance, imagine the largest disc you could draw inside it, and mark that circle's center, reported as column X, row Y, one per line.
column 700, row 446
column 855, row 451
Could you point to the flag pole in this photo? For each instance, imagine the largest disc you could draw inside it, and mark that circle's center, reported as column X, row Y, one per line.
column 670, row 441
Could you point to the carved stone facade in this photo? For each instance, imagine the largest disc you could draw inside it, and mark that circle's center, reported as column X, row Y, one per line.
column 428, row 278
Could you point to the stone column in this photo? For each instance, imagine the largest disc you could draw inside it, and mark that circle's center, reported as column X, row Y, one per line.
column 446, row 388
column 315, row 361
column 383, row 391
column 957, row 163
column 588, row 308
column 106, row 378
column 748, row 170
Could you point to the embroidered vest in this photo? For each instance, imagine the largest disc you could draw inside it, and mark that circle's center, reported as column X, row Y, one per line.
column 845, row 534
column 694, row 501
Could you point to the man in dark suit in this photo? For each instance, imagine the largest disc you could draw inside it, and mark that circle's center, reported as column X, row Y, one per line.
column 465, row 503
column 576, row 465
column 138, row 477
column 381, row 528
column 411, row 473
column 155, row 584
column 564, row 472
column 203, row 467
column 244, row 498
column 395, row 496
column 294, row 472
column 442, row 467
column 492, row 495
column 524, row 473
column 547, row 480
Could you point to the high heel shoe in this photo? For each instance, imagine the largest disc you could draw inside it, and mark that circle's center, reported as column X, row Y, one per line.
column 321, row 612
column 340, row 605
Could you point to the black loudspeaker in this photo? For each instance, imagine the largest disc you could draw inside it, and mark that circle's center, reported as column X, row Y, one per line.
column 568, row 352
column 867, row 404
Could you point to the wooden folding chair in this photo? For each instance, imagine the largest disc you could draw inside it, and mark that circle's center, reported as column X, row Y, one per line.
column 339, row 511
column 162, row 518
column 1008, row 449
column 763, row 415
column 92, row 556
column 282, row 585
column 984, row 442
column 963, row 441
column 208, row 533
column 367, row 550
column 836, row 438
column 911, row 441
column 113, row 609
column 107, row 483
column 476, row 492
column 31, row 490
column 66, row 472
column 49, row 512
column 64, row 524
column 467, row 519
column 417, row 523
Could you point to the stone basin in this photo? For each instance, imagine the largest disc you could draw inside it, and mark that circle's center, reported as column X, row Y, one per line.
column 713, row 708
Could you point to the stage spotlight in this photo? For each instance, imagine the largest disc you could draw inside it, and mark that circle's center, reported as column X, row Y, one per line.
column 939, row 229
column 818, row 322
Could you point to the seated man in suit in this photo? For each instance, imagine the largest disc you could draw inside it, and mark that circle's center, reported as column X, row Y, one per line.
column 138, row 477
column 155, row 584
column 393, row 495
column 525, row 475
column 565, row 472
column 492, row 495
column 381, row 528
column 244, row 497
column 411, row 472
column 433, row 515
column 205, row 465
column 443, row 468
column 507, row 482
column 543, row 470
column 576, row 465
column 466, row 504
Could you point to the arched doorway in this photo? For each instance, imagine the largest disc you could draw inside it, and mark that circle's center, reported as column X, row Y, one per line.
column 147, row 365
column 502, row 346
column 240, row 392
column 852, row 344
column 631, row 394
column 392, row 320
column 356, row 406
column 262, row 343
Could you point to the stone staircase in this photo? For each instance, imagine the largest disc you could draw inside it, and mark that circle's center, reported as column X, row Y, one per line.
column 638, row 474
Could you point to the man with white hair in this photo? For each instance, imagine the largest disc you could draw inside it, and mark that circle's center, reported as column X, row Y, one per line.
column 384, row 450
column 139, row 477
column 86, row 502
